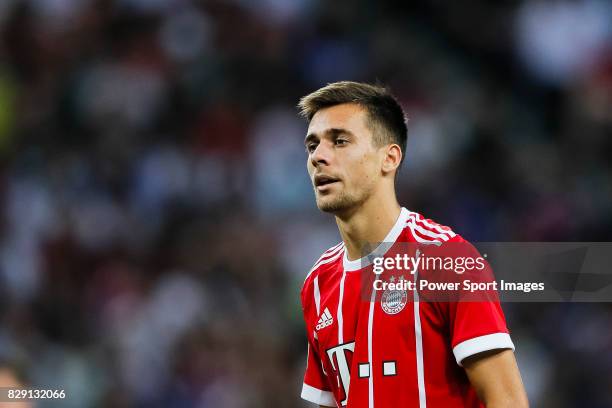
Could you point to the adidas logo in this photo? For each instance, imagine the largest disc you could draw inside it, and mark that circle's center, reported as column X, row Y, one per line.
column 325, row 320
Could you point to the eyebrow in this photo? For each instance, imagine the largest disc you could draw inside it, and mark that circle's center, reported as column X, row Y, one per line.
column 332, row 132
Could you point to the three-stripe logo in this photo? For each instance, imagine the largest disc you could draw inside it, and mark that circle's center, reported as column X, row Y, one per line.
column 325, row 320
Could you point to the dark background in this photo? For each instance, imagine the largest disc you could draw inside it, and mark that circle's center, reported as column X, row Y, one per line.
column 156, row 217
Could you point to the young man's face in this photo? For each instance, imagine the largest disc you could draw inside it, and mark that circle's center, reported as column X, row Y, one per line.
column 343, row 163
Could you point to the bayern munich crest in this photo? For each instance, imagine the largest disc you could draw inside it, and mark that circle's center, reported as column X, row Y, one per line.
column 393, row 301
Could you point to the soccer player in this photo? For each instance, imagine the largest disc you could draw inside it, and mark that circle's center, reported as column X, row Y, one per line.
column 370, row 354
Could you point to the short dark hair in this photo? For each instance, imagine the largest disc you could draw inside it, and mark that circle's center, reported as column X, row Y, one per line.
column 385, row 115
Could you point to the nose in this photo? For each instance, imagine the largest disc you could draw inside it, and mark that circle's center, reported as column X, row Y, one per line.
column 321, row 155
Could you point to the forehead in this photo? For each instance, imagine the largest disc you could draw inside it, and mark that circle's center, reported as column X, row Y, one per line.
column 349, row 116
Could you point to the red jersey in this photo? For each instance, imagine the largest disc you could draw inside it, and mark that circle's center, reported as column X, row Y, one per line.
column 362, row 354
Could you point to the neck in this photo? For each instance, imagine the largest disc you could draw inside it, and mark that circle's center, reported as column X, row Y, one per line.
column 368, row 224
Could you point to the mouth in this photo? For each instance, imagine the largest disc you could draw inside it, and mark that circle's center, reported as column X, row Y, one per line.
column 321, row 182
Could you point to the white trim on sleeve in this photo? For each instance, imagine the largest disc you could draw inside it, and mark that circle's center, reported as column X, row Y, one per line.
column 483, row 343
column 317, row 396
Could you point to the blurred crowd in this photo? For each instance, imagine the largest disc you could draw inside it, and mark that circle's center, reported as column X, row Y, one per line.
column 157, row 221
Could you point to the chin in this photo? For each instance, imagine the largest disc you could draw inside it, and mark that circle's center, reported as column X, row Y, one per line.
column 334, row 205
column 328, row 208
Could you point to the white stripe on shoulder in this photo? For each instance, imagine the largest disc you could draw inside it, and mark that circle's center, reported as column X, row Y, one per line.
column 432, row 225
column 339, row 244
column 327, row 257
column 330, row 253
column 413, row 224
column 434, row 236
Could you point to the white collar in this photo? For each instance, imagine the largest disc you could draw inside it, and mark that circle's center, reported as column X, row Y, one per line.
column 381, row 249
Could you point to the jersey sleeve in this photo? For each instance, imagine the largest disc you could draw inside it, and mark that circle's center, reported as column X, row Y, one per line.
column 476, row 323
column 476, row 327
column 314, row 388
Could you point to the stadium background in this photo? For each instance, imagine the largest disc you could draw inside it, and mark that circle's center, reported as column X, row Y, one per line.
column 156, row 216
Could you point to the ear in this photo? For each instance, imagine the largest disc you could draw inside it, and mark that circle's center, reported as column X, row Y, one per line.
column 392, row 158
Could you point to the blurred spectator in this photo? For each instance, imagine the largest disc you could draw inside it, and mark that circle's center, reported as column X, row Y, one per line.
column 10, row 377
